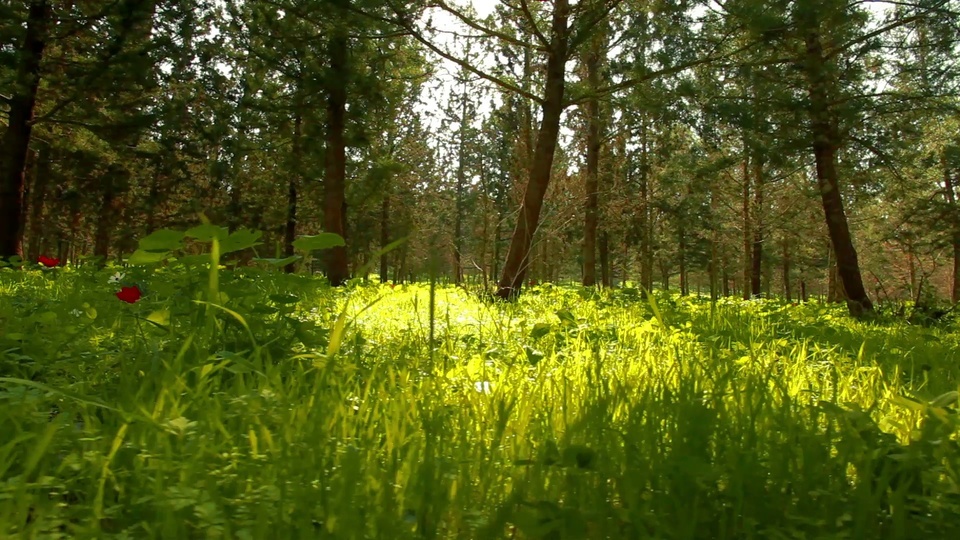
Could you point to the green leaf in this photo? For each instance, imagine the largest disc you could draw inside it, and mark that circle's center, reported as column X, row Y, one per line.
column 207, row 232
column 191, row 261
column 319, row 241
column 533, row 355
column 579, row 456
column 279, row 262
column 566, row 317
column 161, row 318
column 147, row 257
column 162, row 240
column 540, row 330
column 240, row 240
column 284, row 299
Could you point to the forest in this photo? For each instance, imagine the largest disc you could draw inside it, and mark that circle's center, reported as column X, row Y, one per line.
column 451, row 269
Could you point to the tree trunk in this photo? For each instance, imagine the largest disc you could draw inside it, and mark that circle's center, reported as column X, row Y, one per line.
column 384, row 236
column 603, row 249
column 825, row 145
column 591, row 178
column 16, row 138
column 646, row 226
column 461, row 185
column 296, row 165
column 682, row 255
column 515, row 266
column 747, row 226
column 756, row 268
column 334, row 216
column 786, row 270
column 38, row 197
column 949, row 190
column 110, row 209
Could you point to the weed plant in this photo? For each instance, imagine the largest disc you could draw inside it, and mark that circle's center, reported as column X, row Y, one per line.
column 250, row 404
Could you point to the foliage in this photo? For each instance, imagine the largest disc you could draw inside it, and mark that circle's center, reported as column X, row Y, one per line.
column 279, row 407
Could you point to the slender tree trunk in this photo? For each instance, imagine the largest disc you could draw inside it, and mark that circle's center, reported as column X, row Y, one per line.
column 16, row 137
column 949, row 190
column 461, row 185
column 384, row 237
column 786, row 270
column 646, row 226
column 756, row 268
column 591, row 178
column 296, row 166
column 825, row 145
column 111, row 206
column 41, row 183
column 682, row 255
column 518, row 256
column 747, row 226
column 603, row 248
column 725, row 277
column 334, row 217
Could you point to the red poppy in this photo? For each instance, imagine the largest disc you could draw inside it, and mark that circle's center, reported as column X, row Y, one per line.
column 129, row 295
column 49, row 262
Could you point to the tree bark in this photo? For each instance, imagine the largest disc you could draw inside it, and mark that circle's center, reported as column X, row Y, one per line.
column 518, row 256
column 16, row 138
column 825, row 146
column 334, row 217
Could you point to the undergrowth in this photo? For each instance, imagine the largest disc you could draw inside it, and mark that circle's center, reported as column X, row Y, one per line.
column 251, row 404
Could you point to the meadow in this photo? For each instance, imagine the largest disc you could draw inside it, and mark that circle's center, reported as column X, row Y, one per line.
column 252, row 404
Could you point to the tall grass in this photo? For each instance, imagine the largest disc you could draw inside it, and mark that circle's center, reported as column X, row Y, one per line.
column 278, row 408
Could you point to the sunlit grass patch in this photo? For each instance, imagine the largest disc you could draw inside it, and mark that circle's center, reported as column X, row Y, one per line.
column 568, row 414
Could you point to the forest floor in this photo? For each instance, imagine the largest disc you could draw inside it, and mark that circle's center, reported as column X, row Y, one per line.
column 252, row 404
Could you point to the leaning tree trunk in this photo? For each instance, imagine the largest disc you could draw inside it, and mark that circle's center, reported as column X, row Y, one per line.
column 16, row 137
column 334, row 218
column 518, row 256
column 825, row 145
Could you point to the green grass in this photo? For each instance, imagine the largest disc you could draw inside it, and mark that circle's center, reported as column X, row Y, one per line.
column 303, row 412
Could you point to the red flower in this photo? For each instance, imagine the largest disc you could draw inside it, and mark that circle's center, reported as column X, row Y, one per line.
column 129, row 295
column 49, row 262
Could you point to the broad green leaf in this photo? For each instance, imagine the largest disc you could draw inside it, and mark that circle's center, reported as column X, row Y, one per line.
column 206, row 232
column 162, row 240
column 161, row 317
column 284, row 299
column 319, row 241
column 192, row 261
column 147, row 257
column 279, row 262
column 240, row 240
column 540, row 330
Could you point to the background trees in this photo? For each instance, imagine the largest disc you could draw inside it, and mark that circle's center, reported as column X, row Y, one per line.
column 606, row 141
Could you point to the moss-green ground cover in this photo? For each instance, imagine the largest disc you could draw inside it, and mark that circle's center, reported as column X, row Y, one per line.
column 289, row 410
